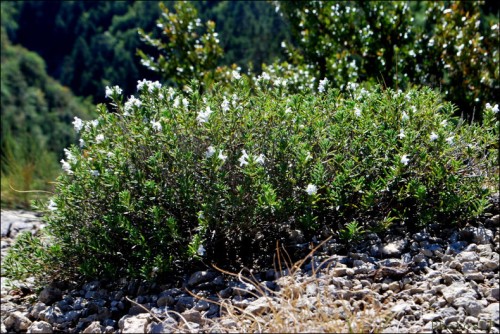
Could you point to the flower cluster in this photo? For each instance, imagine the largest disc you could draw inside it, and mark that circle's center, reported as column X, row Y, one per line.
column 132, row 103
column 211, row 151
column 245, row 157
column 204, row 115
column 156, row 126
column 151, row 86
column 115, row 90
column 311, row 189
column 322, row 85
column 494, row 108
column 78, row 123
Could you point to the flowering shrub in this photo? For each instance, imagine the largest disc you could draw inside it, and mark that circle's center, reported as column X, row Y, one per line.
column 163, row 179
column 451, row 46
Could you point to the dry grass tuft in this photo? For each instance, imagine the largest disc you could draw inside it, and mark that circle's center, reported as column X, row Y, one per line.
column 303, row 304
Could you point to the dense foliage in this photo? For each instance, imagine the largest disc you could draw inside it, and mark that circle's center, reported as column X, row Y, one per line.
column 164, row 178
column 447, row 45
column 218, row 165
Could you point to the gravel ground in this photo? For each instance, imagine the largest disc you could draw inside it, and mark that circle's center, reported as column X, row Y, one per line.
column 430, row 281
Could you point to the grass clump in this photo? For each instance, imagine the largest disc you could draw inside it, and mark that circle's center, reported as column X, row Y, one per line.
column 301, row 303
column 167, row 178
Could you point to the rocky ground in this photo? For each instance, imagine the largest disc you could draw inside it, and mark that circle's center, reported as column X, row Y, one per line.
column 429, row 281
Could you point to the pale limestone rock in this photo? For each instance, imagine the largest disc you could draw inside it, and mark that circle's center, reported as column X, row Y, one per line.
column 17, row 321
column 134, row 323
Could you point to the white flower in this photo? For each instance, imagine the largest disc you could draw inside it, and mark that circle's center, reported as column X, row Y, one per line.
column 171, row 93
column 210, row 151
column 433, row 136
column 444, row 122
column 405, row 160
column 401, row 134
column 201, row 250
column 94, row 173
column 265, row 76
column 66, row 167
column 113, row 90
column 278, row 82
column 82, row 142
column 142, row 83
column 494, row 108
column 203, row 116
column 260, row 159
column 352, row 85
column 109, row 91
column 222, row 156
column 357, row 112
column 243, row 159
column 132, row 102
column 322, row 84
column 69, row 156
column 156, row 125
column 405, row 116
column 234, row 100
column 225, row 104
column 153, row 85
column 311, row 189
column 146, row 63
column 90, row 124
column 99, row 138
column 52, row 205
column 288, row 110
column 236, row 75
column 449, row 140
column 185, row 102
column 176, row 103
column 78, row 123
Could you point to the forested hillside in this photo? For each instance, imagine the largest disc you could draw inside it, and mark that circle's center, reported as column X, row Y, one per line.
column 88, row 45
column 36, row 122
